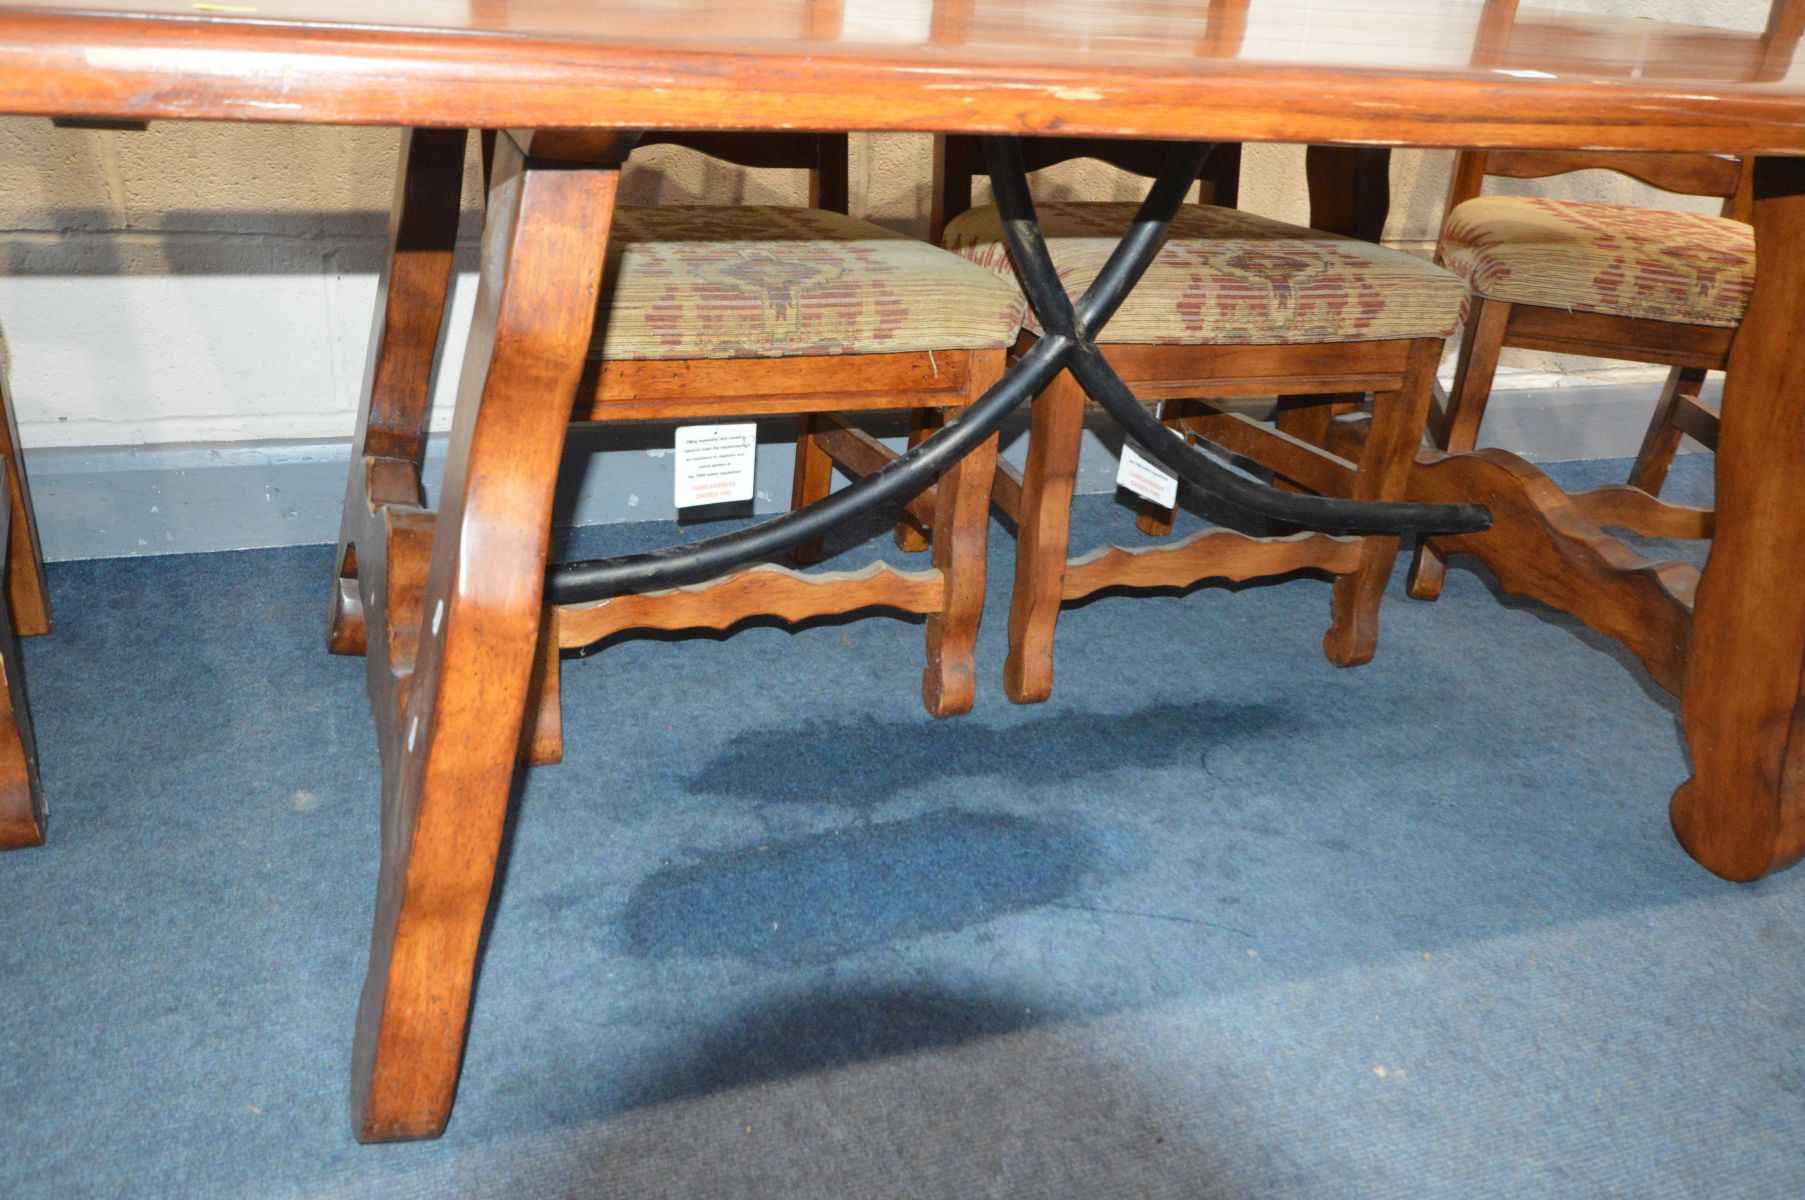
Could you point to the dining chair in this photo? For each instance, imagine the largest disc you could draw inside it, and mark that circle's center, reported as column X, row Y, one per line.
column 1234, row 305
column 712, row 312
column 1609, row 281
column 1604, row 280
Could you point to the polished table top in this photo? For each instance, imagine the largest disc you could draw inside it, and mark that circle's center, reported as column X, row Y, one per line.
column 1423, row 72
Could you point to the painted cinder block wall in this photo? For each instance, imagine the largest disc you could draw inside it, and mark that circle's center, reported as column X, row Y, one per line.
column 202, row 285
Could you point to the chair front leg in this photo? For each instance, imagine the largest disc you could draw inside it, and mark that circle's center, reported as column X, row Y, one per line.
column 1042, row 536
column 961, row 542
column 1384, row 473
column 449, row 754
column 1457, row 429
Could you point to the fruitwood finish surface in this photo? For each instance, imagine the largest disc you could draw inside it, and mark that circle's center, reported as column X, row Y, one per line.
column 452, row 597
column 1393, row 71
column 24, row 611
column 22, row 815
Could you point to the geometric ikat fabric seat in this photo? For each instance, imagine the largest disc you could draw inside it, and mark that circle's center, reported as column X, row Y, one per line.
column 757, row 281
column 1227, row 277
column 1603, row 258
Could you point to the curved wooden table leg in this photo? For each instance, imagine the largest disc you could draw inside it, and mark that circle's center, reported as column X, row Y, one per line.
column 23, row 818
column 1743, row 812
column 27, row 597
column 449, row 749
column 404, row 340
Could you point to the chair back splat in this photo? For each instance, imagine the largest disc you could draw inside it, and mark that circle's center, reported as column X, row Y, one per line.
column 825, row 156
column 959, row 159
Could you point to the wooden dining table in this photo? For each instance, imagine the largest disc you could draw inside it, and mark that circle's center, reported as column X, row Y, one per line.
column 445, row 599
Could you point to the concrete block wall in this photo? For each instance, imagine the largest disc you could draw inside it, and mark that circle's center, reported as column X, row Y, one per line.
column 203, row 292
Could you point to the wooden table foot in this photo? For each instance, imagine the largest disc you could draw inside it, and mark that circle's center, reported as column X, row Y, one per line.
column 1742, row 814
column 449, row 714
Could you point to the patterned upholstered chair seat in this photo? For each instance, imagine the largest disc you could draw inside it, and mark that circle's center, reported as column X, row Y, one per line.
column 694, row 281
column 1226, row 277
column 1603, row 258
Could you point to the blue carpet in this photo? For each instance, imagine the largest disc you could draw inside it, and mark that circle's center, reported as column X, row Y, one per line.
column 1218, row 920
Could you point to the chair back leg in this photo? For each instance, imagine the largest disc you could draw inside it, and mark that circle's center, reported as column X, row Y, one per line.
column 1662, row 441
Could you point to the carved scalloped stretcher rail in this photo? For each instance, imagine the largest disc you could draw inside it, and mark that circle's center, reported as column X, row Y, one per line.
column 1622, row 507
column 1211, row 554
column 765, row 590
column 1541, row 545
